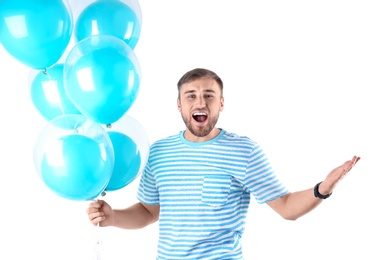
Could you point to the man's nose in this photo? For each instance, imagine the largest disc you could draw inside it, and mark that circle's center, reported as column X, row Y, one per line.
column 201, row 102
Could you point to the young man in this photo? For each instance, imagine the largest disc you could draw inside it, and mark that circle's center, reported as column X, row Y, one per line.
column 198, row 182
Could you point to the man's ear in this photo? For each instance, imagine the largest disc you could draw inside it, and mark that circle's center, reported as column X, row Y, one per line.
column 178, row 105
column 222, row 105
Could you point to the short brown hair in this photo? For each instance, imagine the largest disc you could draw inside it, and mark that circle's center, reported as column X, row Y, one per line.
column 197, row 74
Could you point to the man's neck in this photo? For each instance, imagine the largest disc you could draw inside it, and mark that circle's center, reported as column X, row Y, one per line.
column 197, row 139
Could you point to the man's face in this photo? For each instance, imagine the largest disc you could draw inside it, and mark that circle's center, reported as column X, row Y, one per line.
column 200, row 103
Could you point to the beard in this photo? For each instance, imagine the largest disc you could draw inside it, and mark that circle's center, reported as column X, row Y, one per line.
column 201, row 131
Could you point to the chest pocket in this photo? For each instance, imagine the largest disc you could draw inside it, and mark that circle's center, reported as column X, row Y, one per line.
column 216, row 189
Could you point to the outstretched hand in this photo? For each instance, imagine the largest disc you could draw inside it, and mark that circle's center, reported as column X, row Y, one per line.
column 336, row 175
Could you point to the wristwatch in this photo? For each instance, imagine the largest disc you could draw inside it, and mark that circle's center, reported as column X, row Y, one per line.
column 317, row 194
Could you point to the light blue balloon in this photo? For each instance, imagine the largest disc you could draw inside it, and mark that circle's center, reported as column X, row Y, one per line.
column 36, row 33
column 76, row 167
column 48, row 93
column 127, row 161
column 102, row 78
column 109, row 17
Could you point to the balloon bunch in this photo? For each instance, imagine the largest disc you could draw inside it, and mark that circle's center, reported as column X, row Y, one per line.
column 86, row 77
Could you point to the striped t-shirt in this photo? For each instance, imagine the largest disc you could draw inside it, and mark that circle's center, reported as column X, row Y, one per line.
column 203, row 190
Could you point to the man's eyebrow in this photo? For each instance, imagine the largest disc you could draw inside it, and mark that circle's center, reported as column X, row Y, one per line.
column 189, row 91
column 193, row 91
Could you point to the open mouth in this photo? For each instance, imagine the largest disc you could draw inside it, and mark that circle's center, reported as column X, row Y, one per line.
column 199, row 117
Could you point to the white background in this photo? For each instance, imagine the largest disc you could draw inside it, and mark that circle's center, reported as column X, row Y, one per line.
column 308, row 80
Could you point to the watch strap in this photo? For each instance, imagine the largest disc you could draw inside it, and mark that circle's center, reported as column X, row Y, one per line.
column 317, row 194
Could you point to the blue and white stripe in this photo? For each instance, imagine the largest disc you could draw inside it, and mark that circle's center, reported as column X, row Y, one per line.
column 204, row 192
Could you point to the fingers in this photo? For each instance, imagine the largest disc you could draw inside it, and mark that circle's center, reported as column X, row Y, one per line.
column 96, row 218
column 352, row 162
column 96, row 204
column 355, row 159
column 348, row 165
column 94, row 213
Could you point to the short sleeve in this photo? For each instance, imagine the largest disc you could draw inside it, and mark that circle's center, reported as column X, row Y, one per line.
column 260, row 179
column 147, row 189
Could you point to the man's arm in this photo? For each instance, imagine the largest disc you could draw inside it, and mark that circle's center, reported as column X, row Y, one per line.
column 134, row 217
column 296, row 204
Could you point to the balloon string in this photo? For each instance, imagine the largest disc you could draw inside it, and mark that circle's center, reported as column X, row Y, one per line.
column 98, row 246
